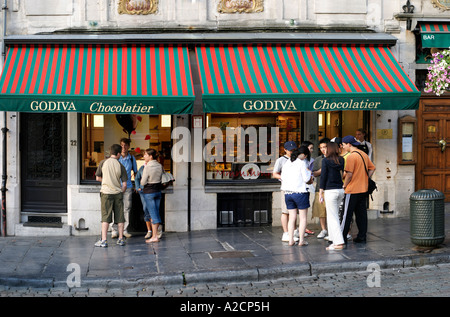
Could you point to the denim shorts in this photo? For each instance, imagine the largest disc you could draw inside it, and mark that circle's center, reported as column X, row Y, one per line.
column 297, row 201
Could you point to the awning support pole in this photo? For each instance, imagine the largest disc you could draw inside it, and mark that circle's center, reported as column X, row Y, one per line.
column 4, row 132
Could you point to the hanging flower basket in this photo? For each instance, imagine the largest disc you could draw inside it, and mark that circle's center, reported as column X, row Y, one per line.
column 438, row 78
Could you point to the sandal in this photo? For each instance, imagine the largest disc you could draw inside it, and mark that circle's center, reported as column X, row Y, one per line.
column 303, row 243
column 310, row 232
column 335, row 247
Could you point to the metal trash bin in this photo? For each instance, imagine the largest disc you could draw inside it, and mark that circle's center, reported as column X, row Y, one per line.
column 427, row 217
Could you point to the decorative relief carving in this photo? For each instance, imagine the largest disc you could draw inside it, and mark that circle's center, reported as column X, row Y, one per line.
column 442, row 4
column 240, row 6
column 138, row 6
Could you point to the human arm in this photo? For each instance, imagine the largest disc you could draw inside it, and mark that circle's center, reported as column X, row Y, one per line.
column 348, row 178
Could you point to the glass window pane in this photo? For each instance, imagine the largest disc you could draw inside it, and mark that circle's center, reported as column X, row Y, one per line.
column 99, row 132
column 248, row 146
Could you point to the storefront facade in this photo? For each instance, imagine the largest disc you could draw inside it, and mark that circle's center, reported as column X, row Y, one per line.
column 88, row 91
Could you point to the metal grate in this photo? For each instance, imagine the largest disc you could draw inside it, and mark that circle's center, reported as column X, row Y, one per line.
column 249, row 209
column 44, row 221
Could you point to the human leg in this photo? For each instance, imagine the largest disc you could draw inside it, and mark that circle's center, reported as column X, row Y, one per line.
column 291, row 225
column 302, row 214
column 147, row 217
column 152, row 201
column 302, row 201
column 349, row 208
column 361, row 217
column 119, row 218
column 106, row 205
column 127, row 204
column 333, row 198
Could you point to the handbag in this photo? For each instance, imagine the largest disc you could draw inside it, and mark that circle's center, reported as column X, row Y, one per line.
column 166, row 179
column 372, row 185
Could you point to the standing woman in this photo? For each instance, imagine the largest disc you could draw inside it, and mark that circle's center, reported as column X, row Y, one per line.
column 151, row 180
column 294, row 178
column 331, row 186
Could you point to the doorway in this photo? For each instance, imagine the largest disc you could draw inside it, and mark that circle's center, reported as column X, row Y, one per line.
column 433, row 156
column 43, row 153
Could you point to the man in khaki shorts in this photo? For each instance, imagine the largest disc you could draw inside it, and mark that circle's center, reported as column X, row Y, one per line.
column 113, row 177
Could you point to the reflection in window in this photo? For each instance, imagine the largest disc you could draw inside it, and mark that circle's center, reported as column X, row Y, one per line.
column 246, row 146
column 99, row 132
column 341, row 123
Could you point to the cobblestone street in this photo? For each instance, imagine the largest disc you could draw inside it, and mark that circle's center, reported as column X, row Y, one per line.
column 420, row 281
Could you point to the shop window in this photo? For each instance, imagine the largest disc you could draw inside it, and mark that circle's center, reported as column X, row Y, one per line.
column 246, row 146
column 341, row 123
column 99, row 132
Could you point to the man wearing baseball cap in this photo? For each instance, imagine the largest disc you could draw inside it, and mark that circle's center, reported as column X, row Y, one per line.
column 355, row 187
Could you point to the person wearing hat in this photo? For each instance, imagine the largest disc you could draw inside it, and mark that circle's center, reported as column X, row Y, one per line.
column 295, row 177
column 355, row 188
column 289, row 146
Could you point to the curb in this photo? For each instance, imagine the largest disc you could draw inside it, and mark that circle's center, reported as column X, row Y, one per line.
column 302, row 269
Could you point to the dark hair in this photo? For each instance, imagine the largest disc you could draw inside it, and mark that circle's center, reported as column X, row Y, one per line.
column 125, row 140
column 115, row 149
column 324, row 140
column 362, row 131
column 154, row 154
column 333, row 152
column 308, row 143
column 301, row 150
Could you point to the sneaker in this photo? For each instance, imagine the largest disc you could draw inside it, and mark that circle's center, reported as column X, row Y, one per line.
column 322, row 234
column 148, row 235
column 101, row 243
column 114, row 235
column 120, row 242
column 349, row 237
column 296, row 235
column 126, row 234
column 285, row 237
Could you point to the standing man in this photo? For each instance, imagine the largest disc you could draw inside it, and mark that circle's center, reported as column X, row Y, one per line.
column 355, row 187
column 360, row 136
column 319, row 209
column 129, row 162
column 113, row 177
column 289, row 146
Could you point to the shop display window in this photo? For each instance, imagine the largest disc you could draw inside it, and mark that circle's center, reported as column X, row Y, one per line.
column 99, row 132
column 249, row 144
column 341, row 123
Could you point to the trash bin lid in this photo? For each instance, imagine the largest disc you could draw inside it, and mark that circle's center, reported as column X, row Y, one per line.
column 427, row 194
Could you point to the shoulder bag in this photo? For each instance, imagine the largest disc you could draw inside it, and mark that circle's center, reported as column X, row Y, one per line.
column 372, row 185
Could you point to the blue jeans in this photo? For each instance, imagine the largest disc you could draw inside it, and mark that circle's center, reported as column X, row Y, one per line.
column 152, row 202
column 144, row 207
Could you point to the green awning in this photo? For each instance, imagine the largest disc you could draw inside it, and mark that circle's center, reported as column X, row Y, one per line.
column 435, row 35
column 115, row 79
column 280, row 78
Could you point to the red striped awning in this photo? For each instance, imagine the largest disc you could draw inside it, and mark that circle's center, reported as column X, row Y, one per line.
column 248, row 78
column 146, row 79
column 435, row 34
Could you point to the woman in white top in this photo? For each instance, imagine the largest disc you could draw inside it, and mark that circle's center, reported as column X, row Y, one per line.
column 294, row 178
